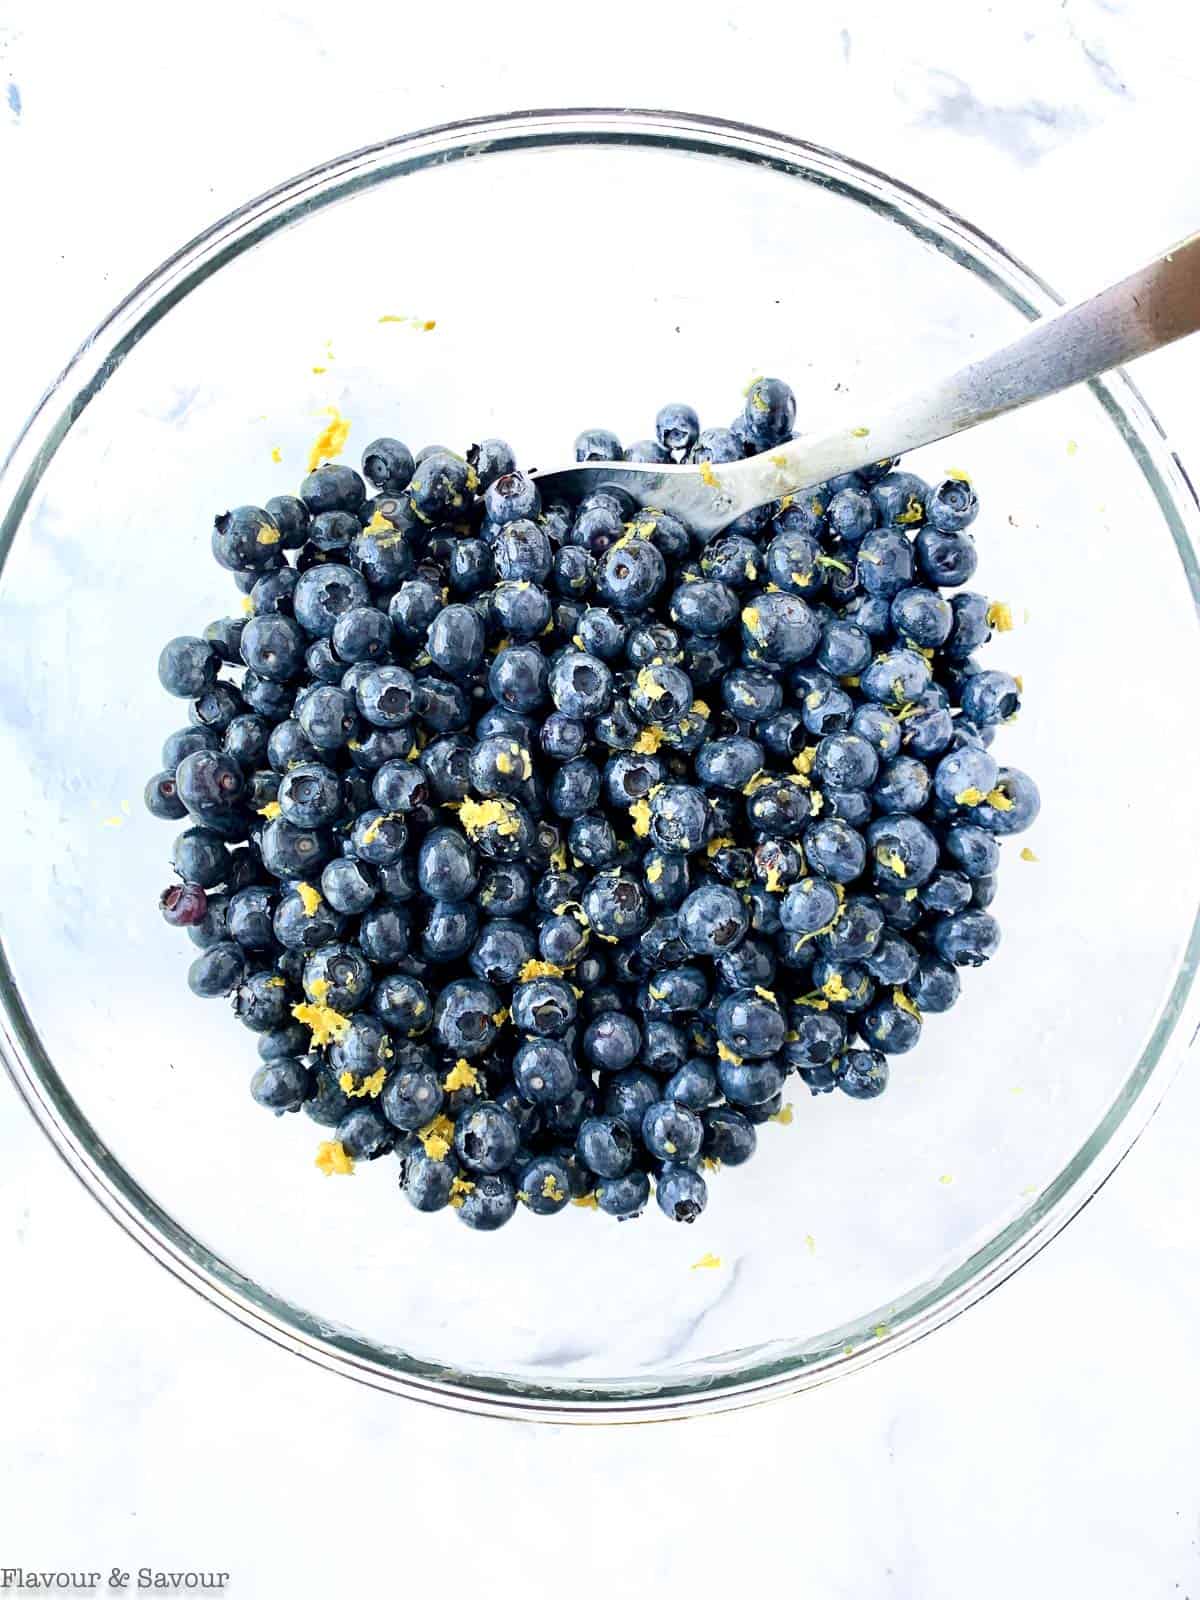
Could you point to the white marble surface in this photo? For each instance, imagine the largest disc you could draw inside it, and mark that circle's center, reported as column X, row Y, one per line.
column 1043, row 1444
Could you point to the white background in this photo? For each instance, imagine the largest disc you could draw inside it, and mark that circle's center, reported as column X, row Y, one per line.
column 1044, row 1444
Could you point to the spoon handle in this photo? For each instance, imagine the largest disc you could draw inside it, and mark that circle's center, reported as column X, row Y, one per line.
column 1152, row 307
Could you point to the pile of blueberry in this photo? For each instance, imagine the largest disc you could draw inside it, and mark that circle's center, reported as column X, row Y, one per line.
column 540, row 843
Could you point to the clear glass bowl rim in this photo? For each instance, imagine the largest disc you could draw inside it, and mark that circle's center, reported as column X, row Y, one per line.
column 841, row 1350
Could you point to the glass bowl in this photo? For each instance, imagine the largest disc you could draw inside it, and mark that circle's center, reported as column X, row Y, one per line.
column 556, row 270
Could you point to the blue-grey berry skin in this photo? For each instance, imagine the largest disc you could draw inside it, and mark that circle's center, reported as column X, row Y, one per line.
column 488, row 1203
column 681, row 1194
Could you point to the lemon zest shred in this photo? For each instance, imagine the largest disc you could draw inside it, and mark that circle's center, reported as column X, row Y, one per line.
column 462, row 1075
column 331, row 441
column 476, row 815
column 332, row 1157
column 539, row 969
column 902, row 1001
column 324, row 1023
column 436, row 1136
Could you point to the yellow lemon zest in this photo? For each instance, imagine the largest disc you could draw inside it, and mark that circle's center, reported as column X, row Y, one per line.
column 539, row 969
column 370, row 1086
column 331, row 441
column 726, row 1054
column 890, row 859
column 999, row 616
column 783, row 1116
column 309, row 898
column 901, row 1000
column 379, row 523
column 462, row 1075
column 970, row 797
column 834, row 987
column 707, row 1260
column 640, row 812
column 476, row 815
column 437, row 1136
column 913, row 512
column 708, row 477
column 460, row 1188
column 325, row 1024
column 271, row 810
column 588, row 1200
column 715, row 846
column 648, row 741
column 332, row 1157
column 999, row 800
column 551, row 1189
column 1027, row 854
column 654, row 872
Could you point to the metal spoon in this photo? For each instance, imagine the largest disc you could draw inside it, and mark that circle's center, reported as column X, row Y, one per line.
column 1151, row 308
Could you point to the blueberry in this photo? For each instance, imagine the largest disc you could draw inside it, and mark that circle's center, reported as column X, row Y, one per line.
column 967, row 939
column 712, row 920
column 183, row 905
column 427, row 1182
column 921, row 617
column 543, row 1006
column 935, row 986
column 1012, row 807
column 750, row 1025
column 364, row 1133
column 544, row 1071
column 682, row 1194
column 904, row 785
column 187, row 666
column 715, row 445
column 989, row 697
column 951, row 506
column 625, row 1197
column 325, row 593
column 388, row 465
column 517, row 678
column 972, row 847
column 947, row 559
column 217, row 970
column 162, row 797
column 671, row 1132
column 605, row 1146
column 769, row 415
column 199, row 856
column 281, row 1085
column 246, row 539
column 969, row 628
column 249, row 918
column 339, row 976
column 332, row 488
column 464, row 1017
column 677, row 428
column 729, row 1136
column 862, row 1074
column 597, row 444
column 379, row 837
column 545, row 1185
column 678, row 819
column 779, row 628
